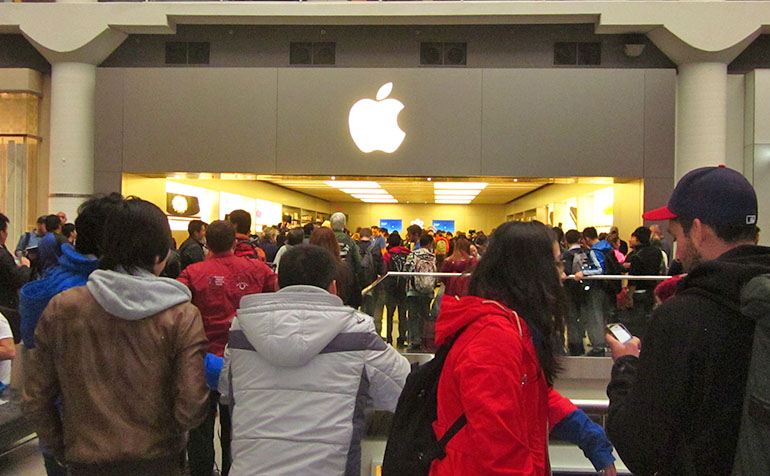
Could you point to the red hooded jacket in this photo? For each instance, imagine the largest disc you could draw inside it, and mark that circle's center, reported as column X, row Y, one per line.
column 493, row 376
column 217, row 286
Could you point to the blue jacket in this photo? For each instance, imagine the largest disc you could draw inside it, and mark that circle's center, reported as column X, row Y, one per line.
column 596, row 255
column 73, row 270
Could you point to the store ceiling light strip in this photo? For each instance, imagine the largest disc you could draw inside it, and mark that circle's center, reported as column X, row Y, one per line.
column 460, row 185
column 379, row 200
column 373, row 197
column 455, row 197
column 455, row 191
column 352, row 184
column 450, row 202
column 375, row 191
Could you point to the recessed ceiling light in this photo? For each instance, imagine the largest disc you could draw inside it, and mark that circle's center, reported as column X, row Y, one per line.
column 334, row 178
column 363, row 190
column 379, row 200
column 460, row 185
column 351, row 184
column 455, row 191
column 515, row 180
column 455, row 197
column 455, row 202
column 429, row 179
column 373, row 197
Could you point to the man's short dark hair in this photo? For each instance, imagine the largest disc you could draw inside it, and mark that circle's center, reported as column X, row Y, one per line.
column 310, row 265
column 572, row 237
column 642, row 235
column 220, row 236
column 296, row 236
column 89, row 224
column 3, row 222
column 195, row 226
column 307, row 228
column 425, row 240
column 559, row 233
column 136, row 236
column 41, row 219
column 590, row 233
column 413, row 230
column 242, row 221
column 365, row 232
column 67, row 229
column 52, row 223
column 726, row 233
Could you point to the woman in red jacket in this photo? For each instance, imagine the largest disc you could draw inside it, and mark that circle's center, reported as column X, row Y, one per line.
column 500, row 370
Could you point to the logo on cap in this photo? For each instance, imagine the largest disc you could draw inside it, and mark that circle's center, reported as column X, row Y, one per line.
column 751, row 219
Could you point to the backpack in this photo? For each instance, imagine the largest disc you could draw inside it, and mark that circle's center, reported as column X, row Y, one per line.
column 412, row 445
column 396, row 285
column 424, row 263
column 611, row 268
column 248, row 249
column 752, row 455
column 368, row 266
column 576, row 290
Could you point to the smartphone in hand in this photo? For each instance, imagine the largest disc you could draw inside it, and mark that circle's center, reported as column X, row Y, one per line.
column 619, row 331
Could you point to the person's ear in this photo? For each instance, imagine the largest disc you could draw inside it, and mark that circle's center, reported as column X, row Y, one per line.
column 333, row 287
column 699, row 233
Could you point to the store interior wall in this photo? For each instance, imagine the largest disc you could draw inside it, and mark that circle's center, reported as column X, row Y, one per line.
column 466, row 217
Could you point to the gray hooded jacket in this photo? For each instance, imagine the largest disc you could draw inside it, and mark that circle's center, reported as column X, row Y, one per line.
column 302, row 366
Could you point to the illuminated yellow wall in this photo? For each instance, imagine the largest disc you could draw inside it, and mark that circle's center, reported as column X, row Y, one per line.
column 626, row 207
column 154, row 190
column 478, row 217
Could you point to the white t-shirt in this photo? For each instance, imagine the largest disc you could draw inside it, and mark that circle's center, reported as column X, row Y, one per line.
column 5, row 365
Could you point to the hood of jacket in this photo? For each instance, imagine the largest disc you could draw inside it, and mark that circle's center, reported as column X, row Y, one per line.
column 73, row 270
column 290, row 327
column 725, row 276
column 458, row 312
column 399, row 249
column 602, row 245
column 137, row 295
column 755, row 297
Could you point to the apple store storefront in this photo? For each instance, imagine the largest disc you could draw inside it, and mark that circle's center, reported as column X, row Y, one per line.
column 578, row 147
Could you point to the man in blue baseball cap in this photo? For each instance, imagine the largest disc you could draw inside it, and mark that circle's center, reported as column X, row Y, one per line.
column 676, row 402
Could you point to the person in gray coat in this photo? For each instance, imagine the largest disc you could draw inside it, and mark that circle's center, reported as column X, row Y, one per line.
column 299, row 370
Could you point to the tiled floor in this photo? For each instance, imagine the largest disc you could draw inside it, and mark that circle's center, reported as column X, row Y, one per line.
column 23, row 461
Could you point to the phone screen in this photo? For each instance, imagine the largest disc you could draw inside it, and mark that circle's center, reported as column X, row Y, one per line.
column 620, row 332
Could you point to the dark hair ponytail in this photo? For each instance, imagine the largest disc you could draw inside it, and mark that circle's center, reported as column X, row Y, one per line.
column 518, row 270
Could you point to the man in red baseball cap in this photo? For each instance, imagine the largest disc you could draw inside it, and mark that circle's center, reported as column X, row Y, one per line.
column 676, row 402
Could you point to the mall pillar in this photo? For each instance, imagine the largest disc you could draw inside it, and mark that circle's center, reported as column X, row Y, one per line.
column 701, row 116
column 72, row 136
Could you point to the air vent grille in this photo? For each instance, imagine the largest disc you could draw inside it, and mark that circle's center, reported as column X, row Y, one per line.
column 307, row 53
column 443, row 54
column 183, row 52
column 577, row 53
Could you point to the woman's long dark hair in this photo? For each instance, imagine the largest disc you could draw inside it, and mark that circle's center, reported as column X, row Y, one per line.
column 519, row 271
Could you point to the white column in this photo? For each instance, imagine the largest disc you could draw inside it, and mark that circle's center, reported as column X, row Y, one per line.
column 72, row 136
column 701, row 116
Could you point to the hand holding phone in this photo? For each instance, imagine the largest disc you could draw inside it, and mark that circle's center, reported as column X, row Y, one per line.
column 619, row 332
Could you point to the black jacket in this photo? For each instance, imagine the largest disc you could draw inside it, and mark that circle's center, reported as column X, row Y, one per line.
column 191, row 251
column 645, row 260
column 12, row 278
column 676, row 409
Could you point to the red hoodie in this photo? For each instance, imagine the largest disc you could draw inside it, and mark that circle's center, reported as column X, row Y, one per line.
column 492, row 375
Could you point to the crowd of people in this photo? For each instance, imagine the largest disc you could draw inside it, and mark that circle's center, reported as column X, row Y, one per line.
column 132, row 347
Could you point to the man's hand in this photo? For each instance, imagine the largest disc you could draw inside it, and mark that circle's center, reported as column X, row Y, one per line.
column 632, row 347
column 609, row 471
column 578, row 276
column 23, row 261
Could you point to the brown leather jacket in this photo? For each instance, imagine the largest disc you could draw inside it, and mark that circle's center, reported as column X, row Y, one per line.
column 130, row 389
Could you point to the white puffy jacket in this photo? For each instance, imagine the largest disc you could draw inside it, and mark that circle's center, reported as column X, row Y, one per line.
column 299, row 371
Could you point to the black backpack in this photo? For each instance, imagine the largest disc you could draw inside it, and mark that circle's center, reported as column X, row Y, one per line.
column 612, row 268
column 396, row 285
column 412, row 444
column 368, row 265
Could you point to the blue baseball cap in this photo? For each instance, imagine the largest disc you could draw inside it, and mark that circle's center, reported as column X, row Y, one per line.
column 717, row 196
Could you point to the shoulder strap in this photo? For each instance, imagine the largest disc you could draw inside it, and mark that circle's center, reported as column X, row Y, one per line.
column 452, row 431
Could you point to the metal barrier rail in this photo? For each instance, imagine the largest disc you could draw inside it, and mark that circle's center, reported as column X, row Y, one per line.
column 599, row 277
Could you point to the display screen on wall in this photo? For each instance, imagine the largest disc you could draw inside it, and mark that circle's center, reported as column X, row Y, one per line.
column 444, row 225
column 391, row 225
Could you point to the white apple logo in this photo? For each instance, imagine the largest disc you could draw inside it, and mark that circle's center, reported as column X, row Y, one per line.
column 374, row 124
